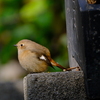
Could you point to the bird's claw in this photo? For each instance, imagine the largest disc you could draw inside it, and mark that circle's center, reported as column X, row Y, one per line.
column 69, row 69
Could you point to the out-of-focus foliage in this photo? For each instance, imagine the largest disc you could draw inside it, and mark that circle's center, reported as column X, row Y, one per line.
column 42, row 21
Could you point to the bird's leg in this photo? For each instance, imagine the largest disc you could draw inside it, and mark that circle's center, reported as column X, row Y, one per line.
column 69, row 69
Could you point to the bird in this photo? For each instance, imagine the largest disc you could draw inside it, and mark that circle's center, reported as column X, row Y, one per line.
column 34, row 57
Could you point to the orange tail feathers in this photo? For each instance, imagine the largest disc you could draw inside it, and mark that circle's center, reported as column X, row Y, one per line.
column 61, row 67
column 56, row 64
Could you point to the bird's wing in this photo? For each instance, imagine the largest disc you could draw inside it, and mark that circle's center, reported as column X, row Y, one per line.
column 41, row 49
column 42, row 53
column 42, row 57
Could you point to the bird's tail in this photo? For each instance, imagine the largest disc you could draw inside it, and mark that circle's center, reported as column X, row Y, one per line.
column 53, row 63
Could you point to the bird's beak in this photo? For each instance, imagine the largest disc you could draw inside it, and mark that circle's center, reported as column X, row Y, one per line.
column 15, row 45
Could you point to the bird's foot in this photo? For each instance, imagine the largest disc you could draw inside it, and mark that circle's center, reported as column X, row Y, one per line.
column 69, row 69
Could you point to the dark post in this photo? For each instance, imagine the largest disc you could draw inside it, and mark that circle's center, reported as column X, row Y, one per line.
column 83, row 32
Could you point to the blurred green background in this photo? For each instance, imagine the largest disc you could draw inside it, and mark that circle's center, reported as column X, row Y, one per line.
column 42, row 21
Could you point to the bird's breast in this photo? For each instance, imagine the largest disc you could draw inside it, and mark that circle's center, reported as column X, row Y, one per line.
column 31, row 63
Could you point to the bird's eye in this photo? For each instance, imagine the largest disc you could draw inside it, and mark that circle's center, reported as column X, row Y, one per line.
column 22, row 45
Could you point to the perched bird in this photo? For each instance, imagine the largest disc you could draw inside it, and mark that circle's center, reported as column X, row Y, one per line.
column 34, row 57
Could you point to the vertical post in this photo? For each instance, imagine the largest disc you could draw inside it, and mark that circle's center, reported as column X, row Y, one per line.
column 83, row 32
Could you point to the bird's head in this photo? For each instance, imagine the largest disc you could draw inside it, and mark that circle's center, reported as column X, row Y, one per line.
column 24, row 45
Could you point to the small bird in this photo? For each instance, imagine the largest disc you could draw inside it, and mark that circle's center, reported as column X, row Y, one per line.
column 34, row 57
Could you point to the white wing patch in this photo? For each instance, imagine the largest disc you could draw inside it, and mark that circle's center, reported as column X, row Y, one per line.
column 43, row 58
